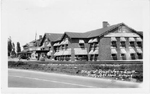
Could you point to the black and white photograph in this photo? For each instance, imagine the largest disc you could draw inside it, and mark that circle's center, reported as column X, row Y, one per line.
column 75, row 46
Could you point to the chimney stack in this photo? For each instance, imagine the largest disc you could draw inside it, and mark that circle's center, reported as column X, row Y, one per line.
column 105, row 24
column 40, row 36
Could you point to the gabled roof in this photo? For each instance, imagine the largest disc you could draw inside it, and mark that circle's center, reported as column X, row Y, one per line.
column 99, row 32
column 76, row 35
column 92, row 33
column 53, row 36
column 38, row 41
column 140, row 32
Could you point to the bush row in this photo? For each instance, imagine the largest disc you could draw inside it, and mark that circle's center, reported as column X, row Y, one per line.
column 113, row 71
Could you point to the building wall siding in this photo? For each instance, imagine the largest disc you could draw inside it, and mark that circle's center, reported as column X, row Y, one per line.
column 104, row 49
column 75, row 44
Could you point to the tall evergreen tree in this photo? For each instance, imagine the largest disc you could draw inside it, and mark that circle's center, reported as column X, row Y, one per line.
column 9, row 46
column 13, row 49
column 18, row 47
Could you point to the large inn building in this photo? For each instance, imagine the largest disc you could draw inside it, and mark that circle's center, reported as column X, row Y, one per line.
column 115, row 42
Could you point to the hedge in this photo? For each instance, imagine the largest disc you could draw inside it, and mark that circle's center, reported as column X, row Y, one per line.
column 122, row 71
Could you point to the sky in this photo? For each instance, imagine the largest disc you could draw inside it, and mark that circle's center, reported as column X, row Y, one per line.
column 22, row 19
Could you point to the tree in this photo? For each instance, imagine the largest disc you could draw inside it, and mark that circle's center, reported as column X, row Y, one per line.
column 13, row 50
column 9, row 46
column 18, row 47
column 13, row 47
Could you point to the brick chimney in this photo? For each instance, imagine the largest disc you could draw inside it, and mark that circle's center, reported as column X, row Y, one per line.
column 105, row 24
column 40, row 36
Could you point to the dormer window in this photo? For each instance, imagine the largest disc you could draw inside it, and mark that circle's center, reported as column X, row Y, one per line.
column 95, row 40
column 82, row 46
column 81, row 43
column 90, row 41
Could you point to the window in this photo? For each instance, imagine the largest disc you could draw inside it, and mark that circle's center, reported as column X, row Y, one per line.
column 123, row 56
column 54, row 49
column 82, row 45
column 91, row 57
column 139, row 44
column 66, row 46
column 96, row 57
column 61, row 58
column 91, row 46
column 122, row 44
column 81, row 57
column 114, row 44
column 132, row 44
column 63, row 47
column 132, row 56
column 67, row 57
column 114, row 56
column 96, row 45
column 139, row 55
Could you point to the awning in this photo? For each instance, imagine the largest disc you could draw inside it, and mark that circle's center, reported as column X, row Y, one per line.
column 67, row 52
column 79, row 51
column 49, row 44
column 55, row 44
column 132, row 50
column 58, row 44
column 95, row 40
column 139, row 50
column 122, row 39
column 97, row 48
column 56, row 54
column 91, row 52
column 61, row 52
column 123, row 51
column 113, row 51
column 42, row 46
column 49, row 53
column 95, row 52
column 81, row 41
column 66, row 41
column 90, row 41
column 138, row 39
column 113, row 39
column 131, row 39
column 37, row 48
column 62, row 43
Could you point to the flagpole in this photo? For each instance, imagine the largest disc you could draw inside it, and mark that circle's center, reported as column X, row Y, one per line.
column 35, row 37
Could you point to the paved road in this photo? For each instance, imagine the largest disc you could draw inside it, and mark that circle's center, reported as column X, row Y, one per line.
column 34, row 79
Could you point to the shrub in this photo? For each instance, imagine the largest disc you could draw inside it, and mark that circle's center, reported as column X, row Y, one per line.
column 89, row 69
column 42, row 59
